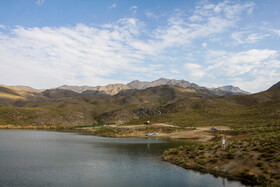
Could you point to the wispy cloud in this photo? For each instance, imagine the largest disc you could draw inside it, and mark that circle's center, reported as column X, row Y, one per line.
column 127, row 49
column 56, row 55
column 114, row 5
column 40, row 2
column 133, row 9
column 254, row 69
column 194, row 70
column 244, row 37
column 150, row 14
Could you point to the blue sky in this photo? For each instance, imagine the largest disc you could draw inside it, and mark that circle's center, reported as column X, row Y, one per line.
column 48, row 43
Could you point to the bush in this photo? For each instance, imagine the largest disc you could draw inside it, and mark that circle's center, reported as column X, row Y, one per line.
column 260, row 164
column 182, row 161
column 202, row 162
column 201, row 147
column 230, row 155
column 214, row 160
column 202, row 157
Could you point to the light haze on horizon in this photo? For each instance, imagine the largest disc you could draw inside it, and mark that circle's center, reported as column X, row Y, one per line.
column 49, row 43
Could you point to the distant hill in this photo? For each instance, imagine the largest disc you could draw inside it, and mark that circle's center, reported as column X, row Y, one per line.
column 143, row 85
column 23, row 88
column 59, row 93
column 221, row 91
column 78, row 89
column 18, row 96
column 113, row 89
column 230, row 88
column 172, row 104
column 110, row 89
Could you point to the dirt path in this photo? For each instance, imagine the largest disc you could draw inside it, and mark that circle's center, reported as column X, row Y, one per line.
column 141, row 126
column 200, row 134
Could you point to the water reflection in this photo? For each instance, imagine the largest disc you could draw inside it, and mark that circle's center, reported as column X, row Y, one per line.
column 44, row 158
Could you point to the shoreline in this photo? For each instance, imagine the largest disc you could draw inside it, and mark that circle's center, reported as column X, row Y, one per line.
column 28, row 127
column 216, row 173
column 165, row 131
column 241, row 159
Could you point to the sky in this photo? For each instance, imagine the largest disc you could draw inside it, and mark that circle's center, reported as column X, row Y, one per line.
column 49, row 43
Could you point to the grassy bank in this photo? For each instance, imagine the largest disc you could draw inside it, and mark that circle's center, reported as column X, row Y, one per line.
column 251, row 154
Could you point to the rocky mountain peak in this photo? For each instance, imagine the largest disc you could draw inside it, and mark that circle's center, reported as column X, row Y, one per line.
column 230, row 88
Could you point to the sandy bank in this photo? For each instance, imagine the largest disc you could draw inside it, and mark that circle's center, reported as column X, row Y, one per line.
column 197, row 134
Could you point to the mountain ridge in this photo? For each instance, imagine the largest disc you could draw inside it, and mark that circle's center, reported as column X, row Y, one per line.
column 177, row 105
column 277, row 85
column 113, row 89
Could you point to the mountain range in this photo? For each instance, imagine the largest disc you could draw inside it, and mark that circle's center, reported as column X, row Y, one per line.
column 163, row 100
column 113, row 89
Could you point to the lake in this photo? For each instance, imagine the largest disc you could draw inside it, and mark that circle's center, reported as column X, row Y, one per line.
column 51, row 158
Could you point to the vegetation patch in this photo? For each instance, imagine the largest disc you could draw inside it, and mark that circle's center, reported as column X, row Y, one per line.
column 250, row 156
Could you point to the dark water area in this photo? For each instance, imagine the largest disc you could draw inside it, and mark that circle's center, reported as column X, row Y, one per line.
column 49, row 158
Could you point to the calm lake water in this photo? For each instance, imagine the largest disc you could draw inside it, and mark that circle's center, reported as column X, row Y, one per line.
column 48, row 158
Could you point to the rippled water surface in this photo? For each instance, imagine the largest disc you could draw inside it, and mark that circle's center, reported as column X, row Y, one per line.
column 48, row 158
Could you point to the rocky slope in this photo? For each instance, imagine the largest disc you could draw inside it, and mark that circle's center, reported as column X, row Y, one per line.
column 113, row 89
column 230, row 88
column 221, row 91
column 277, row 85
column 110, row 89
column 167, row 103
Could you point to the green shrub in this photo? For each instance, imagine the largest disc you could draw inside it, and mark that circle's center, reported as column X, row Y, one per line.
column 201, row 147
column 265, row 169
column 182, row 161
column 230, row 155
column 214, row 160
column 260, row 164
column 202, row 157
column 202, row 162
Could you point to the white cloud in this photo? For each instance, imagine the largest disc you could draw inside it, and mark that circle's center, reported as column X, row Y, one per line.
column 206, row 21
column 195, row 71
column 245, row 37
column 255, row 69
column 97, row 55
column 40, row 2
column 48, row 57
column 150, row 14
column 114, row 5
column 2, row 27
column 276, row 31
column 133, row 9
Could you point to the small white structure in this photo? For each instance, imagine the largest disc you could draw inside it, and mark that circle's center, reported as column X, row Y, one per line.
column 223, row 143
column 152, row 134
column 148, row 122
column 214, row 128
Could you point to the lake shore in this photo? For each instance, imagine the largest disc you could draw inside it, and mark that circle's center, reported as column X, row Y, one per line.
column 28, row 127
column 166, row 131
column 250, row 155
